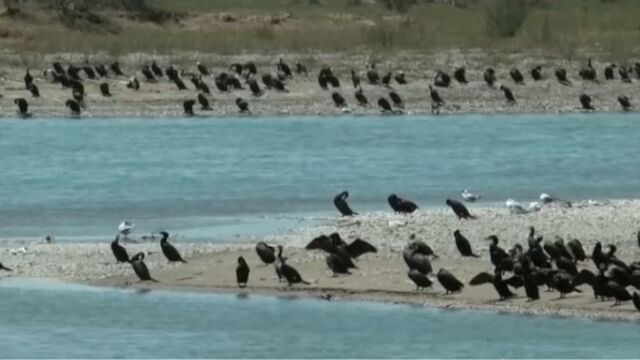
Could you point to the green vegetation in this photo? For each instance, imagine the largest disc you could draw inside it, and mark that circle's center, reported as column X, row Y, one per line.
column 560, row 28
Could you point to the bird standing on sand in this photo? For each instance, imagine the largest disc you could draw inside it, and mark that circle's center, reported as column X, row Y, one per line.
column 338, row 99
column 204, row 102
column 449, row 282
column 624, row 102
column 435, row 97
column 242, row 272
column 169, row 251
column 459, row 209
column 23, row 107
column 288, row 272
column 140, row 268
column 187, row 105
column 585, row 101
column 516, row 76
column 400, row 205
column 74, row 106
column 460, row 75
column 361, row 98
column 508, row 94
column 470, row 197
column 104, row 89
column 421, row 280
column 119, row 251
column 463, row 245
column 243, row 106
column 340, row 202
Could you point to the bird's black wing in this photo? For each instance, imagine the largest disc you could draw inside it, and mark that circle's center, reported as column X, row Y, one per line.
column 359, row 247
column 321, row 242
column 514, row 281
column 482, row 278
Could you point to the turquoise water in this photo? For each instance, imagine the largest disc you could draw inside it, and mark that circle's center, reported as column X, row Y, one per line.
column 210, row 179
column 54, row 320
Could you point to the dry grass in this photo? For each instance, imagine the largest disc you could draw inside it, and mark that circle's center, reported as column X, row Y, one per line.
column 559, row 30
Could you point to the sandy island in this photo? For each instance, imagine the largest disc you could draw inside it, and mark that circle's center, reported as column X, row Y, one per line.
column 380, row 277
column 305, row 97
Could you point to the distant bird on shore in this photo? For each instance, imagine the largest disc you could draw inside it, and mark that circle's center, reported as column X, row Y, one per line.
column 157, row 71
column 340, row 202
column 400, row 205
column 254, row 87
column 104, row 89
column 266, row 253
column 624, row 74
column 508, row 94
column 169, row 251
column 140, row 268
column 449, row 282
column 516, row 76
column 624, row 102
column 74, row 106
column 608, row 71
column 119, row 251
column 23, row 107
column 489, row 76
column 148, row 74
column 361, row 98
column 588, row 72
column 463, row 244
column 338, row 100
column 301, row 69
column 202, row 69
column 372, row 75
column 115, row 68
column 355, row 79
column 386, row 79
column 415, row 255
column 2, row 267
column 133, row 83
column 460, row 75
column 536, row 73
column 561, row 75
column 442, row 79
column 435, row 96
column 548, row 199
column 385, row 105
column 243, row 106
column 242, row 272
column 396, row 99
column 459, row 209
column 187, row 105
column 585, row 101
column 28, row 79
column 399, row 77
column 204, row 102
column 101, row 70
column 284, row 68
column 470, row 197
column 33, row 89
column 288, row 272
column 421, row 280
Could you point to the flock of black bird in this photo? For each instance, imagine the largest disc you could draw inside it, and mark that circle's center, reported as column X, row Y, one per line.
column 550, row 264
column 241, row 76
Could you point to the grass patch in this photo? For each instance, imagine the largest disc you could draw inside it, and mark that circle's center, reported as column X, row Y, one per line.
column 558, row 27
